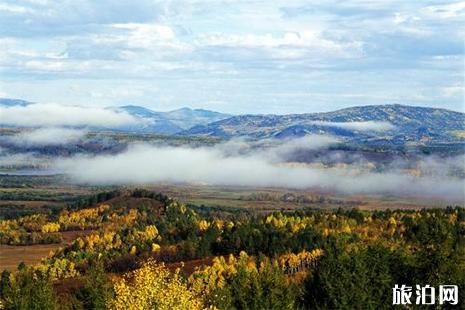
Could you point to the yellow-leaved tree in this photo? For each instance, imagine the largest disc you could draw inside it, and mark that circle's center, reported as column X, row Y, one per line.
column 153, row 286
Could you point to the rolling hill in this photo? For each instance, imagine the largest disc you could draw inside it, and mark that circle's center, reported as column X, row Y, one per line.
column 172, row 121
column 382, row 124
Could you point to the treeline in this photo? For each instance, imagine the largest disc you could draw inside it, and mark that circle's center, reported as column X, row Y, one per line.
column 14, row 211
column 297, row 198
column 45, row 225
column 63, row 201
column 93, row 199
column 29, row 181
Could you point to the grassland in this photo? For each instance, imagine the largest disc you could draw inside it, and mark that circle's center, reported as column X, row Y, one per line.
column 12, row 255
column 243, row 197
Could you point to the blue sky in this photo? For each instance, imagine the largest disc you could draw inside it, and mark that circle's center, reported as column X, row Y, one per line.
column 234, row 56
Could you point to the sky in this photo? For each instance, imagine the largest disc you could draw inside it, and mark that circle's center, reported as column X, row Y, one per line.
column 234, row 56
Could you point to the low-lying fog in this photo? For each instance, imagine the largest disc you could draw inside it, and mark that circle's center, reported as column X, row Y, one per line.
column 267, row 163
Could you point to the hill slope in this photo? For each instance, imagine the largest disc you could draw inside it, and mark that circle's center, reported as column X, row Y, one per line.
column 395, row 124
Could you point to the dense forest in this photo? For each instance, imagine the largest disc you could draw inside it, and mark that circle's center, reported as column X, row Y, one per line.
column 167, row 255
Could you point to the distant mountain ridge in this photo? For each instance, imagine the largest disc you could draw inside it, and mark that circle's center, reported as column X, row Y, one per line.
column 170, row 122
column 376, row 124
column 409, row 124
column 13, row 102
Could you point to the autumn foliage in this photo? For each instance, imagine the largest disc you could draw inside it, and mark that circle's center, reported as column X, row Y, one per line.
column 291, row 260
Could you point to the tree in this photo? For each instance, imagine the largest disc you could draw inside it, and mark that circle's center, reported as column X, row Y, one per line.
column 360, row 279
column 153, row 287
column 30, row 290
column 97, row 290
column 244, row 283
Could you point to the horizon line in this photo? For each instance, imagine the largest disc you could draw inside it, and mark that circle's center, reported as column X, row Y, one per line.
column 239, row 114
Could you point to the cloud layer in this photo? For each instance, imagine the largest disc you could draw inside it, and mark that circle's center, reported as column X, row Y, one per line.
column 251, row 56
column 223, row 165
column 358, row 126
column 48, row 136
column 39, row 114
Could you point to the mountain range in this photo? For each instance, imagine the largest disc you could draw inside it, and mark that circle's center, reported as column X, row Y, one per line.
column 170, row 122
column 378, row 124
column 375, row 124
column 7, row 102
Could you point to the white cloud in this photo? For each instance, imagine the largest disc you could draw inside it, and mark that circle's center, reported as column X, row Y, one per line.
column 303, row 45
column 16, row 160
column 304, row 39
column 47, row 65
column 449, row 10
column 149, row 164
column 276, row 149
column 39, row 114
column 17, row 9
column 453, row 91
column 284, row 150
column 358, row 126
column 48, row 136
column 153, row 36
column 142, row 32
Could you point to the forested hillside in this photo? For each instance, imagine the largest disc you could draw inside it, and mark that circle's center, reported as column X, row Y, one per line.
column 167, row 255
column 382, row 124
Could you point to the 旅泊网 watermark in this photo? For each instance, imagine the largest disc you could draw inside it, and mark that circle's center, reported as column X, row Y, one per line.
column 425, row 295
